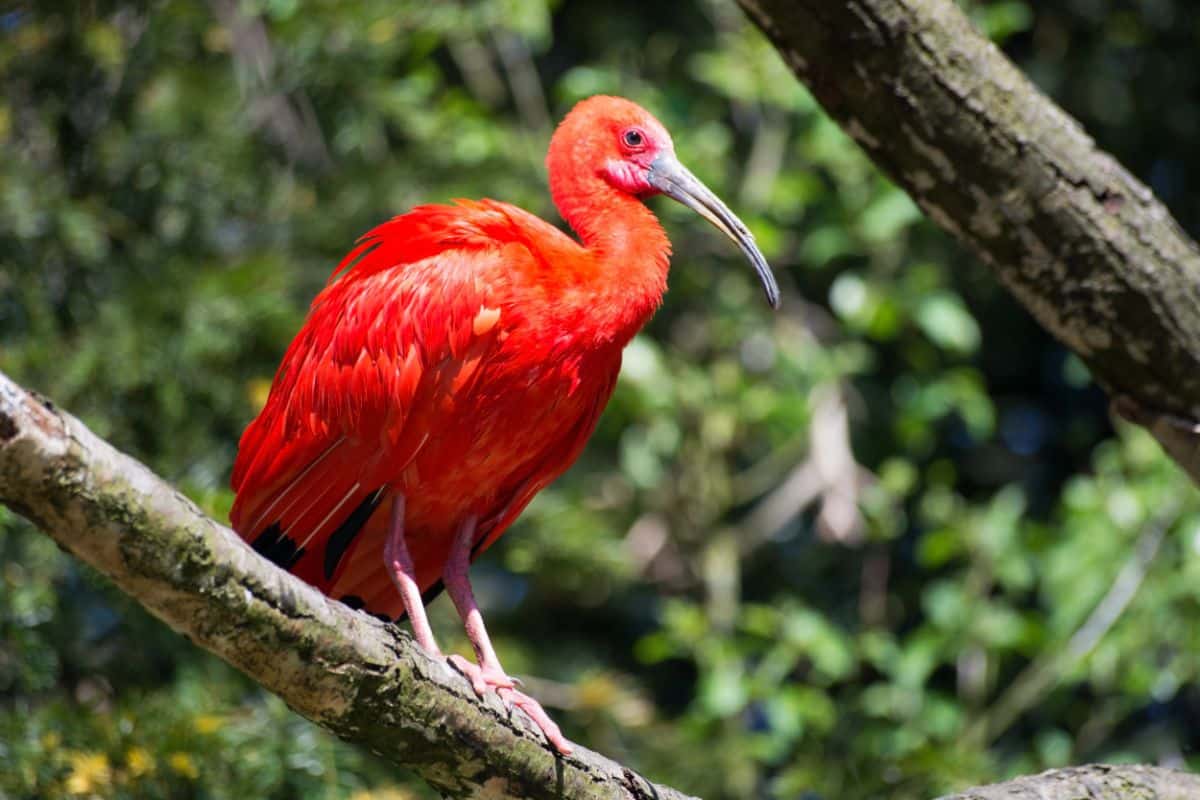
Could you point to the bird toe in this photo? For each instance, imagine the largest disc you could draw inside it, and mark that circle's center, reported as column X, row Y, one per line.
column 533, row 709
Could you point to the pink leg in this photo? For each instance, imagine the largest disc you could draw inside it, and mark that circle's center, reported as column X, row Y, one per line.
column 400, row 568
column 488, row 674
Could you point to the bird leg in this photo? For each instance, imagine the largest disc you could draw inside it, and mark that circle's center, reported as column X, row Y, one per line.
column 400, row 568
column 488, row 674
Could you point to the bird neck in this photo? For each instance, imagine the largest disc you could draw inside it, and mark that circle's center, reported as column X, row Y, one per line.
column 630, row 256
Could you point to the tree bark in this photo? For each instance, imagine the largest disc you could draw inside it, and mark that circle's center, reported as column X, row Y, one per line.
column 1089, row 250
column 363, row 680
column 1094, row 782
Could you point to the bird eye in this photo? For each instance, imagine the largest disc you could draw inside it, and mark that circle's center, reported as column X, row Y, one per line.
column 633, row 138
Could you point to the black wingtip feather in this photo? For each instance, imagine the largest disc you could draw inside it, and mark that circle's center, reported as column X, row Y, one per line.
column 340, row 540
column 277, row 547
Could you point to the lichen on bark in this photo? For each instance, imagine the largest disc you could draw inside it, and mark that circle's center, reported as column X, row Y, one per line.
column 1094, row 782
column 365, row 681
column 359, row 678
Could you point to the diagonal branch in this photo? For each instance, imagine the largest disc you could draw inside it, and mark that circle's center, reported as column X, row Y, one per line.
column 1094, row 782
column 363, row 680
column 1089, row 250
column 359, row 678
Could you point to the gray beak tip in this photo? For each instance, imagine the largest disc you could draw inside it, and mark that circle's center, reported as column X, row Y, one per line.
column 674, row 180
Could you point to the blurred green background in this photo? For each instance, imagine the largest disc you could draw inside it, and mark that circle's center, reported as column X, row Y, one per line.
column 883, row 543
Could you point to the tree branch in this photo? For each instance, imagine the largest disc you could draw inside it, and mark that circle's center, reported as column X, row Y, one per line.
column 1089, row 250
column 1095, row 782
column 363, row 680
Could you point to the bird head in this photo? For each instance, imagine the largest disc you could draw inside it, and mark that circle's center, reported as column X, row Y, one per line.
column 623, row 145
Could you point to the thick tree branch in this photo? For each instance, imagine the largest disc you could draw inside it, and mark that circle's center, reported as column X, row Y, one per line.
column 1093, row 782
column 1086, row 247
column 361, row 679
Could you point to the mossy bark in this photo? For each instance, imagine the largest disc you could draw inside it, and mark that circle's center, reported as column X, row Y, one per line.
column 363, row 680
column 1089, row 250
column 1093, row 782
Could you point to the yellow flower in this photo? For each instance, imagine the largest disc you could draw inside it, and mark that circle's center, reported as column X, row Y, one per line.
column 51, row 741
column 208, row 723
column 140, row 761
column 183, row 764
column 90, row 773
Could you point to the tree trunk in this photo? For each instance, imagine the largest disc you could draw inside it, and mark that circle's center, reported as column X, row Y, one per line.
column 1089, row 250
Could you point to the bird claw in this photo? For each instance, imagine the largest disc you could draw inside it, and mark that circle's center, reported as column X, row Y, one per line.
column 533, row 709
column 484, row 678
column 481, row 678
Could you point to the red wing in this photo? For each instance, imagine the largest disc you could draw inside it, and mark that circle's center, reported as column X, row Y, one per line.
column 403, row 326
column 363, row 578
column 557, row 460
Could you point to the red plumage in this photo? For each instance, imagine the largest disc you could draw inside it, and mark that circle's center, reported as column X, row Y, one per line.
column 454, row 365
column 421, row 369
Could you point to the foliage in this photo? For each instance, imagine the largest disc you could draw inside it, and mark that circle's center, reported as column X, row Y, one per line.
column 175, row 192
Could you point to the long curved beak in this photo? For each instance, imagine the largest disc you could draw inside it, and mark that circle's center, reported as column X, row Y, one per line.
column 674, row 180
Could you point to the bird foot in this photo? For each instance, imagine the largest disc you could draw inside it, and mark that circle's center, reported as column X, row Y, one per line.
column 481, row 678
column 484, row 678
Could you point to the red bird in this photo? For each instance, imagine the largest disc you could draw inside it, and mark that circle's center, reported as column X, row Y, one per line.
column 455, row 365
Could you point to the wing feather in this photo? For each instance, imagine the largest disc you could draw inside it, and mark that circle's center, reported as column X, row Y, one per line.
column 402, row 328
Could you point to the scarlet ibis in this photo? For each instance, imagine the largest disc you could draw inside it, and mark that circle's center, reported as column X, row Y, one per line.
column 452, row 367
